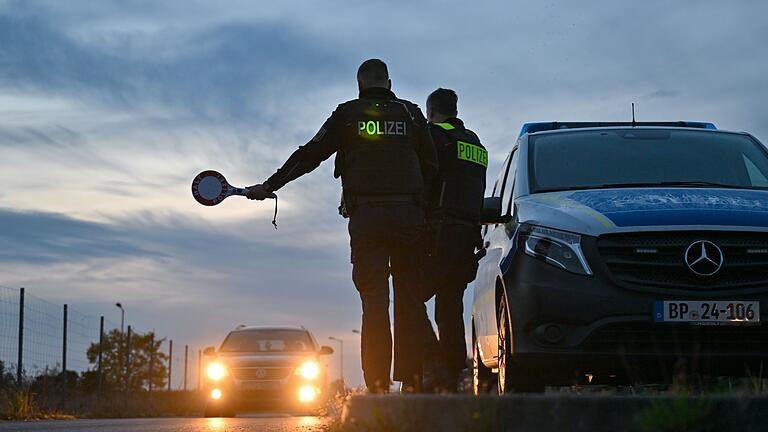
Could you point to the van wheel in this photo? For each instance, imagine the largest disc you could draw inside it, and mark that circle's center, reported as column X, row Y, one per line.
column 511, row 377
column 482, row 377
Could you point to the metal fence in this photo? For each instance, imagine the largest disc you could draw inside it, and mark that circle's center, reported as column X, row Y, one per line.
column 38, row 338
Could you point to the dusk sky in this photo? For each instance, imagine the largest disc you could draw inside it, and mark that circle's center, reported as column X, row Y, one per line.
column 108, row 109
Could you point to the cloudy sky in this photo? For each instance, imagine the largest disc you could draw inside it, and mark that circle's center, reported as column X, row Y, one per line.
column 108, row 109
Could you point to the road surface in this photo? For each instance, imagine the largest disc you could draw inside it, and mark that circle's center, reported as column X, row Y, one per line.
column 245, row 423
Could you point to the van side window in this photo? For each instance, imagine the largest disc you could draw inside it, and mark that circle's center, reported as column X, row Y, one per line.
column 495, row 187
column 502, row 180
column 498, row 186
column 506, row 199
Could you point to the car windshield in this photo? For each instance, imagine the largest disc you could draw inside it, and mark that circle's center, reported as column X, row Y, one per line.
column 645, row 158
column 268, row 341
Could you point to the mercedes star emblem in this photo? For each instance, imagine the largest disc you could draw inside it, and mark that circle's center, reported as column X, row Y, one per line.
column 704, row 258
column 261, row 373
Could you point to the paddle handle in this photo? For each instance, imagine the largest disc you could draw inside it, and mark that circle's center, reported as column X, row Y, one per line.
column 244, row 192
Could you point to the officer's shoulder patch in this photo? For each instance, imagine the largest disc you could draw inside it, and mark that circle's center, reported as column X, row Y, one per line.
column 434, row 128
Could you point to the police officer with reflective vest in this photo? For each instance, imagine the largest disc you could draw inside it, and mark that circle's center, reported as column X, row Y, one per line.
column 386, row 160
column 454, row 217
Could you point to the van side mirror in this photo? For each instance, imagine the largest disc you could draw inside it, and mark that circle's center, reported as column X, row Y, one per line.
column 325, row 350
column 491, row 213
column 209, row 351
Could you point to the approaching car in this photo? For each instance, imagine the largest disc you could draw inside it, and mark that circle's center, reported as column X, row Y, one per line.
column 617, row 250
column 265, row 366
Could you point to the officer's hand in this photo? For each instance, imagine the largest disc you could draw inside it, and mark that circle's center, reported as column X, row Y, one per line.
column 259, row 192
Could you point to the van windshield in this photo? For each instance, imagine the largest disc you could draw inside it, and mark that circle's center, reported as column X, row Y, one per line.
column 645, row 157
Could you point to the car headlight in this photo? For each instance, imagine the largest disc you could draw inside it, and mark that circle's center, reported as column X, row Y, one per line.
column 216, row 371
column 307, row 393
column 309, row 370
column 558, row 248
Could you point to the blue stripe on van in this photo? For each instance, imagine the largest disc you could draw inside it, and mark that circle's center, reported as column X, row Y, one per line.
column 679, row 206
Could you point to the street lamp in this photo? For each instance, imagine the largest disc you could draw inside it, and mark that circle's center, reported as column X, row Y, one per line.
column 341, row 356
column 122, row 316
column 356, row 331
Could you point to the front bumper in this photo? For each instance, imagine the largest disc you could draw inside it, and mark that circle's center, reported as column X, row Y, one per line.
column 563, row 321
column 259, row 394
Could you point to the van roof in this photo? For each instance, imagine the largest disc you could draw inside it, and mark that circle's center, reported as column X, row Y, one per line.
column 555, row 125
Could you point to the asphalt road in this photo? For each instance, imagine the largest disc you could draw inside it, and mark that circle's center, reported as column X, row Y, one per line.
column 245, row 423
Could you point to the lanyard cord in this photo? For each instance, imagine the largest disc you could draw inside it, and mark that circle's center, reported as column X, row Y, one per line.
column 274, row 218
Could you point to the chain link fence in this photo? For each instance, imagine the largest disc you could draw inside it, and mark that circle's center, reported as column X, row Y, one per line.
column 59, row 341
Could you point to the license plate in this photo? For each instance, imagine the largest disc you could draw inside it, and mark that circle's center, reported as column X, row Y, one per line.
column 707, row 312
column 261, row 385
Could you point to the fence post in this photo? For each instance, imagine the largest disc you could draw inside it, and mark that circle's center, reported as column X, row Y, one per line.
column 64, row 359
column 186, row 359
column 20, row 360
column 151, row 358
column 170, row 363
column 199, row 367
column 101, row 356
column 127, row 365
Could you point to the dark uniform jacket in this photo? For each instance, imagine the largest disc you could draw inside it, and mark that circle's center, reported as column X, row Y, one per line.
column 382, row 145
column 457, row 194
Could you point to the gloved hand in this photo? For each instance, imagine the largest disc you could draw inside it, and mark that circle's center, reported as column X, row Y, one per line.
column 259, row 192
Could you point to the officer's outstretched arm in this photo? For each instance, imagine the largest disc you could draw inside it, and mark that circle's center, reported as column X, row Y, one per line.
column 309, row 156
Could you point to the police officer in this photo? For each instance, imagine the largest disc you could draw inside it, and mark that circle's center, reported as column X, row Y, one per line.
column 454, row 217
column 386, row 160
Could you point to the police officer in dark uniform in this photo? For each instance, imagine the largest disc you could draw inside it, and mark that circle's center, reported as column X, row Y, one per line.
column 386, row 160
column 454, row 218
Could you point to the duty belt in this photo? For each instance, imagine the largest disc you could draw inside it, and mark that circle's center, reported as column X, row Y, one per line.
column 369, row 199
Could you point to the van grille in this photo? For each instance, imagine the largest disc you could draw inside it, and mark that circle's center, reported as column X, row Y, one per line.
column 657, row 259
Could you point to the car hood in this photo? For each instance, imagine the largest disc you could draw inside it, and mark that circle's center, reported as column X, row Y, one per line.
column 595, row 212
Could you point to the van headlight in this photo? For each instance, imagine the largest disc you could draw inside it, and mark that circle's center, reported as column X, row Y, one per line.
column 558, row 248
column 309, row 370
column 216, row 371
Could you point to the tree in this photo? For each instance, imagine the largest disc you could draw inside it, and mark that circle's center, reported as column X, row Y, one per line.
column 6, row 378
column 142, row 350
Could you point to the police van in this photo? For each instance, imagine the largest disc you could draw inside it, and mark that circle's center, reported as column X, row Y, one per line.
column 622, row 252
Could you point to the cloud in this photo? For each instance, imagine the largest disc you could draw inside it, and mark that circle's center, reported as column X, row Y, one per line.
column 45, row 238
column 660, row 94
column 227, row 72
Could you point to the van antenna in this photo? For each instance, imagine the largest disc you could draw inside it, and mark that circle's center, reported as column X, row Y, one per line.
column 633, row 114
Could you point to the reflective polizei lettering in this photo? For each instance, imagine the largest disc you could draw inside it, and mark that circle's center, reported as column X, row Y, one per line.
column 372, row 128
column 381, row 127
column 472, row 153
